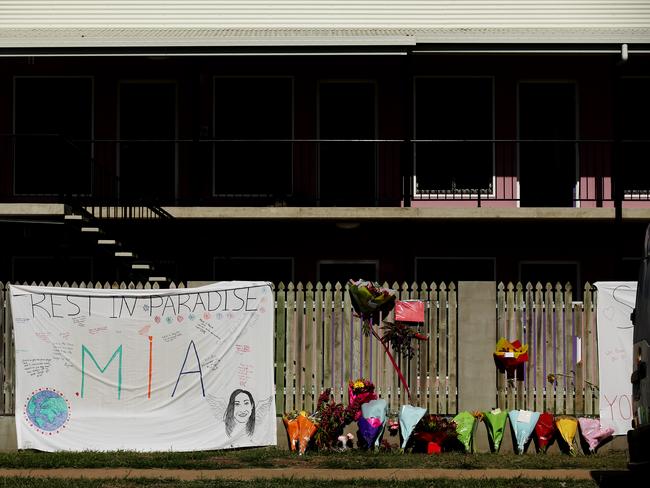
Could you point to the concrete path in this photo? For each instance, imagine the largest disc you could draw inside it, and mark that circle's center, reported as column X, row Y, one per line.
column 299, row 473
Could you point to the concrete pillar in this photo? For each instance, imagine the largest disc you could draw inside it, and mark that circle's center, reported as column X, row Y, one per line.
column 476, row 339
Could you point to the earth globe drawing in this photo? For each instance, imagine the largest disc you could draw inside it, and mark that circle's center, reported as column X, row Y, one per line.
column 47, row 410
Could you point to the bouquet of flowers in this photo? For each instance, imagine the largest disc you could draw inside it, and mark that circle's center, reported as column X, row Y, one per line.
column 509, row 356
column 372, row 422
column 409, row 416
column 495, row 423
column 360, row 391
column 332, row 418
column 393, row 424
column 544, row 430
column 290, row 420
column 368, row 298
column 300, row 427
column 593, row 433
column 523, row 422
column 465, row 426
column 434, row 431
column 567, row 426
column 400, row 337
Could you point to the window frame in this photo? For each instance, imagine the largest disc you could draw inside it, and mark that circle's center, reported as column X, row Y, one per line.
column 15, row 79
column 488, row 192
column 575, row 83
column 213, row 109
column 118, row 113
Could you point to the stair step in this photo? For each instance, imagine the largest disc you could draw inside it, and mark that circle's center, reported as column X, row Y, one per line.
column 157, row 278
column 107, row 242
column 125, row 254
column 141, row 266
column 74, row 217
column 94, row 230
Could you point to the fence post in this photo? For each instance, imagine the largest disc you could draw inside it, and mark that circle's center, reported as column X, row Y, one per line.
column 477, row 337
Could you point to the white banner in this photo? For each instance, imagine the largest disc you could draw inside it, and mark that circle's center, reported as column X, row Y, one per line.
column 615, row 335
column 146, row 370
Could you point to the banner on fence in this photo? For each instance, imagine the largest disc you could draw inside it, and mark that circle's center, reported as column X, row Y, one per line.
column 148, row 370
column 615, row 303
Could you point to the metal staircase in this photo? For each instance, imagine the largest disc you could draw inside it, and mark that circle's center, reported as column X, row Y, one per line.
column 91, row 222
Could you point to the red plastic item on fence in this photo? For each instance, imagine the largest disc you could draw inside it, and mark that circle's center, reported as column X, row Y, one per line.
column 409, row 311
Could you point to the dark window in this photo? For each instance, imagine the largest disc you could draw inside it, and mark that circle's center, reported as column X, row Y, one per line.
column 147, row 123
column 347, row 169
column 274, row 270
column 547, row 169
column 253, row 110
column 453, row 270
column 635, row 125
column 550, row 272
column 343, row 271
column 53, row 116
column 45, row 269
column 453, row 109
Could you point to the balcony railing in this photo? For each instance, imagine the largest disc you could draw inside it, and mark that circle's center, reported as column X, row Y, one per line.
column 300, row 172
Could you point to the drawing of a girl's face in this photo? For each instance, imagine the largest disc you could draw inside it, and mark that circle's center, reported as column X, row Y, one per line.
column 243, row 407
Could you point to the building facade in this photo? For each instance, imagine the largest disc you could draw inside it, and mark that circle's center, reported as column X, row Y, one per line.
column 419, row 141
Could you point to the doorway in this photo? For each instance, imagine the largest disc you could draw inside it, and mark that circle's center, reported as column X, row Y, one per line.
column 147, row 158
column 347, row 169
column 547, row 169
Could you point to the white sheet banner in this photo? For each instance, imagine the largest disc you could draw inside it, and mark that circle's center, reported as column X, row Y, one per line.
column 146, row 370
column 615, row 335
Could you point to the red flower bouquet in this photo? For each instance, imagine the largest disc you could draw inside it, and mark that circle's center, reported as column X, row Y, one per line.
column 544, row 430
column 359, row 392
column 432, row 432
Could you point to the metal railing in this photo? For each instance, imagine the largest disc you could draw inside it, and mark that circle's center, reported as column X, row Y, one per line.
column 120, row 176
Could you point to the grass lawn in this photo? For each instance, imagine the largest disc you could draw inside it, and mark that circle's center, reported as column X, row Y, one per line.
column 147, row 483
column 276, row 458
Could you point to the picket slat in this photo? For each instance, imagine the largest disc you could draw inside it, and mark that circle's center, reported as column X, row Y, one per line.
column 337, row 329
column 291, row 348
column 433, row 383
column 530, row 340
column 568, row 350
column 309, row 360
column 589, row 397
column 501, row 332
column 423, row 348
column 328, row 380
column 510, row 335
column 280, row 348
column 581, row 347
column 300, row 344
column 319, row 352
column 558, row 349
column 442, row 350
column 453, row 335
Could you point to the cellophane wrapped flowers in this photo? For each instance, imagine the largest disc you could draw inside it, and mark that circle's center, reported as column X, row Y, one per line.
column 360, row 391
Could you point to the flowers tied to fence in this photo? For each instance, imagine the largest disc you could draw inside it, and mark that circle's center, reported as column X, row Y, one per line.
column 368, row 298
column 511, row 356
